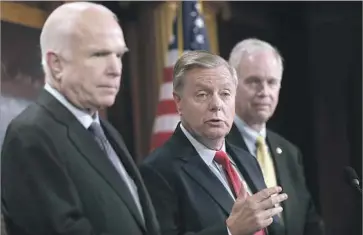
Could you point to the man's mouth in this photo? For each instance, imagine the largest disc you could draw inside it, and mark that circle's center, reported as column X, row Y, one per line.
column 262, row 105
column 215, row 121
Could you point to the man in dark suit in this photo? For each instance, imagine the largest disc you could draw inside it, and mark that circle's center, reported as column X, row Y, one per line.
column 200, row 184
column 64, row 169
column 259, row 67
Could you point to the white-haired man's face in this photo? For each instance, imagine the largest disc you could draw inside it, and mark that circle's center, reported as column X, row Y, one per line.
column 91, row 75
column 258, row 88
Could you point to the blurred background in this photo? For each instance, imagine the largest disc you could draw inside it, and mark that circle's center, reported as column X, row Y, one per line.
column 320, row 107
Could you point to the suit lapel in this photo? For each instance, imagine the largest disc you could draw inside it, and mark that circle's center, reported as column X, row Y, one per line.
column 90, row 150
column 99, row 160
column 235, row 137
column 280, row 159
column 201, row 174
column 246, row 164
column 198, row 171
column 120, row 148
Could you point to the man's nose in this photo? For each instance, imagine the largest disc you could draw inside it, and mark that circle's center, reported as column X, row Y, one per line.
column 263, row 89
column 216, row 102
column 114, row 65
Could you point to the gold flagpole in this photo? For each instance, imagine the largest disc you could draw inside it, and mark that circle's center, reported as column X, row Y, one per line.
column 180, row 29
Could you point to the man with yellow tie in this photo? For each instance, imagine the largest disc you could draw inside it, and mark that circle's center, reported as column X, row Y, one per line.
column 259, row 68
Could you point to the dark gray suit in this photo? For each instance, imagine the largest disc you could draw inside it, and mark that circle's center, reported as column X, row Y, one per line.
column 187, row 195
column 300, row 216
column 57, row 180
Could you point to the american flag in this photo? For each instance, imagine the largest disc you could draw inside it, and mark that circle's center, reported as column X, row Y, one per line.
column 189, row 33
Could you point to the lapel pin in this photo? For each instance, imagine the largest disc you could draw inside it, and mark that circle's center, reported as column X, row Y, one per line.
column 278, row 150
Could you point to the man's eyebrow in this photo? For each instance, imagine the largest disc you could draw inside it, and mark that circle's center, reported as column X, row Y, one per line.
column 257, row 77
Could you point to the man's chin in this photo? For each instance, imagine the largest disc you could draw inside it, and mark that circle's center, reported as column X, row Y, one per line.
column 216, row 134
column 106, row 103
column 262, row 118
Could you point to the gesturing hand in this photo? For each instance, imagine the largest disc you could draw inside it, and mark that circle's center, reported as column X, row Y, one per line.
column 253, row 213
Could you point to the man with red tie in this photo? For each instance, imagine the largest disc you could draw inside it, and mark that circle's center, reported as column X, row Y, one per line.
column 198, row 182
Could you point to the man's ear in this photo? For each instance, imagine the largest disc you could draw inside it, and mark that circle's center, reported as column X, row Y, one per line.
column 177, row 100
column 55, row 65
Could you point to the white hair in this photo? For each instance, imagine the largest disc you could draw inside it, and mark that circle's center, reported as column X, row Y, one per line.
column 55, row 35
column 250, row 46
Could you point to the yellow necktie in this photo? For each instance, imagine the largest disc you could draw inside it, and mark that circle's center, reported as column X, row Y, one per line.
column 266, row 163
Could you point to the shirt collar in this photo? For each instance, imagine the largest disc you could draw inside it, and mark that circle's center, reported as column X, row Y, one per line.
column 205, row 153
column 83, row 117
column 247, row 130
column 249, row 135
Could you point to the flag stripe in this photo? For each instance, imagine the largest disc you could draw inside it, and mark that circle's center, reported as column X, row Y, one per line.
column 166, row 107
column 166, row 123
column 166, row 91
column 159, row 139
column 168, row 74
column 172, row 57
column 193, row 36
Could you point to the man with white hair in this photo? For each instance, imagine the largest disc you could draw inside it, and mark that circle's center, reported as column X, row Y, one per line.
column 64, row 169
column 259, row 68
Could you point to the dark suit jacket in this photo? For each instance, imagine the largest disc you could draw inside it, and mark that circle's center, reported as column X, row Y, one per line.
column 57, row 180
column 300, row 217
column 187, row 196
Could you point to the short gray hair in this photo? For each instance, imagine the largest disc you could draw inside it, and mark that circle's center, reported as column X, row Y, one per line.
column 198, row 59
column 250, row 46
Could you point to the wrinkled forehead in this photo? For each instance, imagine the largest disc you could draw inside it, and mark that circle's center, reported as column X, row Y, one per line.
column 217, row 76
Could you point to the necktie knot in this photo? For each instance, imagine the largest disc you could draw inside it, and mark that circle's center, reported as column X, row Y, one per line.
column 260, row 141
column 96, row 129
column 99, row 135
column 235, row 183
column 221, row 158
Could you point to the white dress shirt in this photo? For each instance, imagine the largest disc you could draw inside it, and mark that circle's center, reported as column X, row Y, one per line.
column 83, row 117
column 249, row 135
column 207, row 156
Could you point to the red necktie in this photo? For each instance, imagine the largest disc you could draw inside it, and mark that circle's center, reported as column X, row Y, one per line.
column 232, row 177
